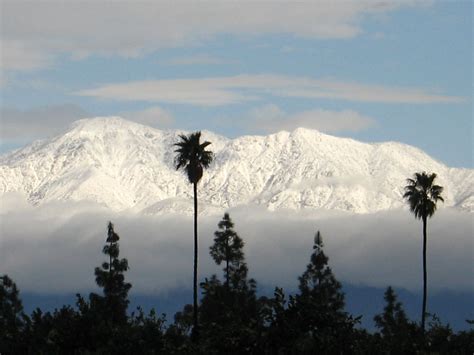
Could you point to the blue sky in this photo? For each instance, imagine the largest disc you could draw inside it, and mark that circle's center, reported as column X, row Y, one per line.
column 370, row 70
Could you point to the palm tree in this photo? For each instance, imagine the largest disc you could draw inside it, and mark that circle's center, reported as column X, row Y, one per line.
column 422, row 195
column 193, row 158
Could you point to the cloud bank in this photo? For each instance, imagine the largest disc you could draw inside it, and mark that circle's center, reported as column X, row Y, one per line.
column 55, row 247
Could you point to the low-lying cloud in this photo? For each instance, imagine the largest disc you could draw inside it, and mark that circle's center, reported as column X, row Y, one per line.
column 55, row 247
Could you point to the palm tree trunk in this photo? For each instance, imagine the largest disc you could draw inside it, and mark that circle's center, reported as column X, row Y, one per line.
column 110, row 259
column 423, row 313
column 227, row 262
column 195, row 287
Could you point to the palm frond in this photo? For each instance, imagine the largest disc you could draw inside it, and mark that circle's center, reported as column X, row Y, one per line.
column 192, row 156
column 421, row 195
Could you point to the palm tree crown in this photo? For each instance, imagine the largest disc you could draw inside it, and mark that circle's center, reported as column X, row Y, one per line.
column 422, row 195
column 192, row 156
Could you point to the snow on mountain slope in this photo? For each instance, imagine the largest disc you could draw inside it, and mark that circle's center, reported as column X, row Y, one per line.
column 125, row 165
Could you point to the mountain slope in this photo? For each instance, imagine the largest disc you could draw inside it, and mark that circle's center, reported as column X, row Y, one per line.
column 125, row 165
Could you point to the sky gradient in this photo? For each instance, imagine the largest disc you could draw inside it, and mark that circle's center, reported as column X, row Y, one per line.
column 370, row 70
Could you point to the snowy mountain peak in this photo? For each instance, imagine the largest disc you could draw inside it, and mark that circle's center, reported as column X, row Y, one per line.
column 126, row 165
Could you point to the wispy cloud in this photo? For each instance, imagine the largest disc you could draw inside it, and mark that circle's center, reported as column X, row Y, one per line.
column 34, row 33
column 215, row 91
column 270, row 118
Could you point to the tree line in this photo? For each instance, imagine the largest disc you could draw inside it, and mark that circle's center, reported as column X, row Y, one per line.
column 233, row 319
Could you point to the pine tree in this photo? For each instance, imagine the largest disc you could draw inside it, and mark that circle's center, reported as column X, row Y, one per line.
column 398, row 333
column 227, row 248
column 229, row 311
column 279, row 316
column 319, row 307
column 12, row 318
column 110, row 277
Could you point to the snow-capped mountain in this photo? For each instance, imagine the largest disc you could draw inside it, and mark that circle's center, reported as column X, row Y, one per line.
column 125, row 165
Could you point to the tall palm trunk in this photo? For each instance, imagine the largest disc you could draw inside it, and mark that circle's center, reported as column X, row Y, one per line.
column 110, row 260
column 195, row 286
column 424, row 278
column 227, row 263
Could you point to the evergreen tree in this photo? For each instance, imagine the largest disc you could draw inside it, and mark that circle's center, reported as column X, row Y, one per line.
column 102, row 322
column 319, row 307
column 439, row 337
column 12, row 318
column 279, row 316
column 230, row 311
column 227, row 248
column 110, row 277
column 398, row 333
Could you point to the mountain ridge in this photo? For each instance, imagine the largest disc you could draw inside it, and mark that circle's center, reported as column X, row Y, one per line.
column 126, row 165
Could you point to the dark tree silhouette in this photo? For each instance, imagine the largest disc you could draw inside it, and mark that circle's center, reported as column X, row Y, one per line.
column 398, row 333
column 193, row 158
column 227, row 248
column 422, row 195
column 110, row 276
column 229, row 311
column 12, row 318
column 323, row 323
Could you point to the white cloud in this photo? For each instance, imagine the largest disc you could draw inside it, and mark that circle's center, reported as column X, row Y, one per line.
column 44, row 29
column 214, row 91
column 155, row 117
column 62, row 243
column 24, row 125
column 270, row 118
